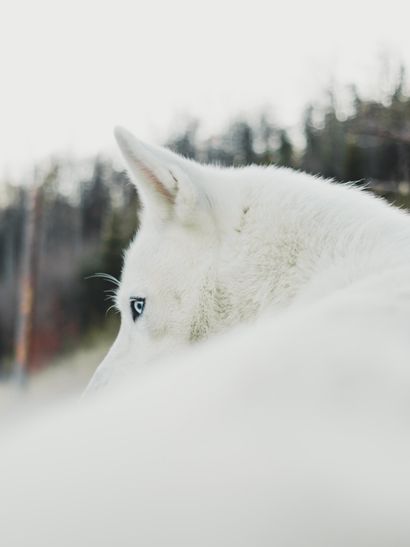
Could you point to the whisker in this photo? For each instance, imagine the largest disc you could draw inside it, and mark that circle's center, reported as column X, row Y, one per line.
column 111, row 293
column 113, row 307
column 106, row 276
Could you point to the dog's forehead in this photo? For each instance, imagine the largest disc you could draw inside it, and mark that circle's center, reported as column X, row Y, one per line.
column 156, row 253
column 160, row 241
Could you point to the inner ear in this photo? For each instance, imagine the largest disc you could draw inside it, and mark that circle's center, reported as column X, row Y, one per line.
column 163, row 179
column 156, row 182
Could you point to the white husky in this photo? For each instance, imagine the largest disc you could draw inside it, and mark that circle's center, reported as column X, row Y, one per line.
column 290, row 430
column 221, row 246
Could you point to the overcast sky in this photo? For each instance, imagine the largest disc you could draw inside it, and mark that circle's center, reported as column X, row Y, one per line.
column 72, row 70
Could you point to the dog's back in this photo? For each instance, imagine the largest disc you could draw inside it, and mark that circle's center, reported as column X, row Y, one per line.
column 285, row 433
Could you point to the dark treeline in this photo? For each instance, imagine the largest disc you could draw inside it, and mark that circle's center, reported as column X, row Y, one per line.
column 90, row 210
column 371, row 144
column 80, row 232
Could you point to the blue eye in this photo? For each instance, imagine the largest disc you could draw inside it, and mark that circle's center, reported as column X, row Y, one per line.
column 137, row 307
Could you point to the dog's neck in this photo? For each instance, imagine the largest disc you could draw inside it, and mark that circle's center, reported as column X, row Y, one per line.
column 287, row 235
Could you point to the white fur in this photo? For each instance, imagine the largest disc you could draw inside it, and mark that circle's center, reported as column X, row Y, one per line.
column 219, row 247
column 289, row 430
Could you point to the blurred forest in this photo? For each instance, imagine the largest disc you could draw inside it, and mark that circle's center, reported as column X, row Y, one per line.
column 87, row 211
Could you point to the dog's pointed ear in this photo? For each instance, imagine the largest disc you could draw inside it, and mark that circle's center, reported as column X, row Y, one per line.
column 162, row 178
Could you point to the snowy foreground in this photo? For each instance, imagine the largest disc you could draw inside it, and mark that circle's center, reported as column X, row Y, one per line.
column 52, row 386
column 192, row 453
